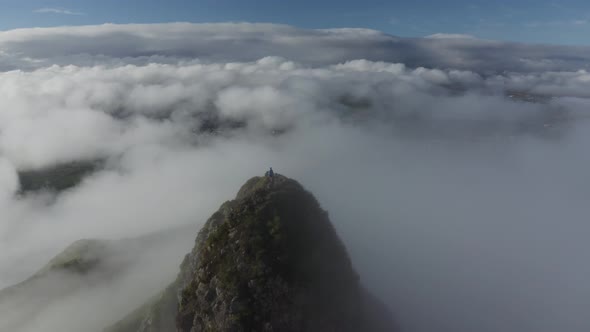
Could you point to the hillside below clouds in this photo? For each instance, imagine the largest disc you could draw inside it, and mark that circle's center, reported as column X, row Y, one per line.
column 92, row 280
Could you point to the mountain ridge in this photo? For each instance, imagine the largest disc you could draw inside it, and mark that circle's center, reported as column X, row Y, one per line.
column 269, row 260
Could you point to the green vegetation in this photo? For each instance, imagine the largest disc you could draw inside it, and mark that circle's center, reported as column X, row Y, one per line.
column 80, row 257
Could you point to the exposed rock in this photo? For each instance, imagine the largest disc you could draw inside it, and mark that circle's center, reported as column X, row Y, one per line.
column 157, row 315
column 269, row 260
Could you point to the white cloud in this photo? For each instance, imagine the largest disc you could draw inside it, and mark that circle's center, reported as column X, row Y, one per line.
column 61, row 11
column 394, row 21
column 450, row 36
column 546, row 24
column 111, row 44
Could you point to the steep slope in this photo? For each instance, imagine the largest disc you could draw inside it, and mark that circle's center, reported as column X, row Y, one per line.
column 73, row 269
column 269, row 260
column 85, row 269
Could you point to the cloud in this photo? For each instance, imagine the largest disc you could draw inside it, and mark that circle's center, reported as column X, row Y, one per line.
column 450, row 36
column 61, row 11
column 244, row 42
column 458, row 188
column 574, row 22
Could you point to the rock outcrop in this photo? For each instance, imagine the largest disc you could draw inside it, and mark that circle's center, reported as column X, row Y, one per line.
column 269, row 260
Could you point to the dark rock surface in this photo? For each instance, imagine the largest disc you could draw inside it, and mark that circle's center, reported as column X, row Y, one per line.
column 270, row 260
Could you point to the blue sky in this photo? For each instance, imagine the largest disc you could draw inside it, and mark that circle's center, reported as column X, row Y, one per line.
column 536, row 21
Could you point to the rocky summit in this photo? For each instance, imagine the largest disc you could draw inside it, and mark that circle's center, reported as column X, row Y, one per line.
column 269, row 260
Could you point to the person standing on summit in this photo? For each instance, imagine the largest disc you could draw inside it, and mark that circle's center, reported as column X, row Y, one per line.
column 270, row 174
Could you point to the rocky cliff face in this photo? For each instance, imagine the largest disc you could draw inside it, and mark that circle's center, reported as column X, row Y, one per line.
column 269, row 260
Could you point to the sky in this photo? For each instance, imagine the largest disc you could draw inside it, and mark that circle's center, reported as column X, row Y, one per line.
column 531, row 21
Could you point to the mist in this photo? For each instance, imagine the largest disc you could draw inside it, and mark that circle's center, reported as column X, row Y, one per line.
column 461, row 196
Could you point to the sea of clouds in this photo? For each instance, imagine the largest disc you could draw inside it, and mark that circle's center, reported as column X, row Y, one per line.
column 454, row 169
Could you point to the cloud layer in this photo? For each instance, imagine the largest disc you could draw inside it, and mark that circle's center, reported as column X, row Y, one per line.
column 459, row 188
column 165, row 43
column 61, row 11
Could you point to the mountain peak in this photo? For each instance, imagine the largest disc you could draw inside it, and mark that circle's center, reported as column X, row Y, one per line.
column 269, row 260
column 266, row 183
